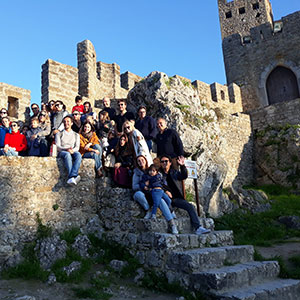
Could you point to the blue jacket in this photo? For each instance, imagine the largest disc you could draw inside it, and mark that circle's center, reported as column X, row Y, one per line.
column 154, row 181
column 3, row 132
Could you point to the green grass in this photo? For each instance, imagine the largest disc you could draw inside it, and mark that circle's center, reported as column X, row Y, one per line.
column 160, row 283
column 70, row 235
column 263, row 229
column 28, row 269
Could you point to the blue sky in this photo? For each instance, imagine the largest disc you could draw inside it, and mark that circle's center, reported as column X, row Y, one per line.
column 172, row 36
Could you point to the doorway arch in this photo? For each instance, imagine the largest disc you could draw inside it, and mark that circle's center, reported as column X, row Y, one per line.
column 282, row 85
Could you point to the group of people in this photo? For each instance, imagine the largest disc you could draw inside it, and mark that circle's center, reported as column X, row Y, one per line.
column 119, row 143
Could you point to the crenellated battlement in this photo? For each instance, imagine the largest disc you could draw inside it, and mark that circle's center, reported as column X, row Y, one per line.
column 227, row 98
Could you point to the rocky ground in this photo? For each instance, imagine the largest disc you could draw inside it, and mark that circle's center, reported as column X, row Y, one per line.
column 34, row 290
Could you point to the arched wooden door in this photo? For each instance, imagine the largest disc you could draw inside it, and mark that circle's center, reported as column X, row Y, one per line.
column 282, row 85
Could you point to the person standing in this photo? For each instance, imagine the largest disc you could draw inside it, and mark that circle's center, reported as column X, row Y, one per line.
column 168, row 141
column 106, row 107
column 35, row 110
column 146, row 125
column 123, row 116
column 68, row 143
column 174, row 189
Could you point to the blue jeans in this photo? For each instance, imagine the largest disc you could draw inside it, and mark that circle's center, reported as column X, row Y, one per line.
column 157, row 196
column 96, row 157
column 10, row 152
column 149, row 144
column 72, row 162
column 140, row 197
column 183, row 204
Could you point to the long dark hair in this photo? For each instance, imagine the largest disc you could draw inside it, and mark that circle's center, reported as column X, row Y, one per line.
column 126, row 148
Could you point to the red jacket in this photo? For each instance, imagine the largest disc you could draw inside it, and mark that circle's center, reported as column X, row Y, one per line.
column 16, row 140
column 78, row 108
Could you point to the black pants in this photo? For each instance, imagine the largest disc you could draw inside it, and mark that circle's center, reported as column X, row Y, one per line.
column 183, row 204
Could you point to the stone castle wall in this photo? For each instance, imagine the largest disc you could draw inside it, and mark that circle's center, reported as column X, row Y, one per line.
column 249, row 64
column 16, row 100
column 33, row 185
column 237, row 149
column 278, row 114
column 59, row 82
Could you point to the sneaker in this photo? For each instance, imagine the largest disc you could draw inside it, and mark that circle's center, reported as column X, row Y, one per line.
column 174, row 229
column 148, row 215
column 174, row 215
column 201, row 230
column 71, row 181
column 153, row 217
column 77, row 179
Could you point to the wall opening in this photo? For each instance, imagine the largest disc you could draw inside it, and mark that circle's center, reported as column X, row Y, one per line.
column 13, row 107
column 228, row 15
column 282, row 85
column 242, row 10
column 222, row 95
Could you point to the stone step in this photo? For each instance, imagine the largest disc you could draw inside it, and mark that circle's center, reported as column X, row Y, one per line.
column 189, row 261
column 164, row 241
column 278, row 289
column 161, row 225
column 235, row 277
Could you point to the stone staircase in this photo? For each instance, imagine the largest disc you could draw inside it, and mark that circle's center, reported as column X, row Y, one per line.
column 208, row 263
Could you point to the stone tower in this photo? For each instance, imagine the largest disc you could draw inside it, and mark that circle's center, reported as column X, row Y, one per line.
column 240, row 16
column 260, row 55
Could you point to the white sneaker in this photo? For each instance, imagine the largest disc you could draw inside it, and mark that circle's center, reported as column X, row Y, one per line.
column 71, row 181
column 148, row 215
column 77, row 179
column 174, row 215
column 153, row 217
column 174, row 229
column 201, row 230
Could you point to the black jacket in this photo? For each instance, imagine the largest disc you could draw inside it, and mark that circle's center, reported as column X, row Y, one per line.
column 169, row 143
column 174, row 181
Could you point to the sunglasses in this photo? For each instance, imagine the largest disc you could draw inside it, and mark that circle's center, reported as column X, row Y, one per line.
column 34, row 108
column 13, row 125
column 3, row 112
column 43, row 115
column 164, row 161
column 75, row 114
column 127, row 127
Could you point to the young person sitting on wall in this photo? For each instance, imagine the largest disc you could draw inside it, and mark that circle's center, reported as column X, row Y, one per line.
column 89, row 146
column 44, row 134
column 144, row 197
column 4, row 129
column 68, row 144
column 124, row 162
column 33, row 140
column 79, row 106
column 174, row 189
column 137, row 141
column 15, row 143
column 58, row 117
